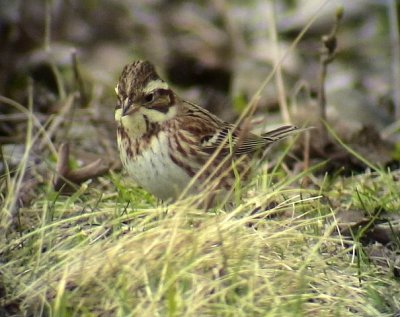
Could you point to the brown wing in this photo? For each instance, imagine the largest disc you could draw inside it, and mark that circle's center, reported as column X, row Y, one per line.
column 212, row 133
column 234, row 140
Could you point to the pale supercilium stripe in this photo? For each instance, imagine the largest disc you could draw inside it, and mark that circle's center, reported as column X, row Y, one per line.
column 155, row 84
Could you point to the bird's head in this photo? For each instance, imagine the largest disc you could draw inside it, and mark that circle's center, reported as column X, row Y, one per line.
column 143, row 94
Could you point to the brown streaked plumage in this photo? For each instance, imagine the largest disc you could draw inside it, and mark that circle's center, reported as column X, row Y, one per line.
column 164, row 140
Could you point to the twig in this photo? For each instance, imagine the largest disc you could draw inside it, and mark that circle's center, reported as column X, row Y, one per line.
column 66, row 176
column 328, row 54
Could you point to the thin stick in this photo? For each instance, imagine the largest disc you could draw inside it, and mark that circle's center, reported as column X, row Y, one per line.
column 66, row 176
column 328, row 54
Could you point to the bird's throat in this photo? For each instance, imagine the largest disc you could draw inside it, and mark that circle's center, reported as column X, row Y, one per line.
column 136, row 126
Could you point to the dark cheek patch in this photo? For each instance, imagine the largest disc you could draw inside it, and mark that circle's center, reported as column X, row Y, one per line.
column 164, row 101
column 164, row 105
column 161, row 108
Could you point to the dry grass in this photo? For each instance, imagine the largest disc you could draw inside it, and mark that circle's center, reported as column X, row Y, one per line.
column 91, row 255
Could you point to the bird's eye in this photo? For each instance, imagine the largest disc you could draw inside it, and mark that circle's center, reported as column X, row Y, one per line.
column 149, row 97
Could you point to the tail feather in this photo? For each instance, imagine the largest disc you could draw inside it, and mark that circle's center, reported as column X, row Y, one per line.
column 282, row 132
column 253, row 143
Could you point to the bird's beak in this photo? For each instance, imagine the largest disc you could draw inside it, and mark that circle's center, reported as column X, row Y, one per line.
column 129, row 109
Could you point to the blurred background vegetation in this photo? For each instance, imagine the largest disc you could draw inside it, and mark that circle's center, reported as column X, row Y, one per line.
column 215, row 52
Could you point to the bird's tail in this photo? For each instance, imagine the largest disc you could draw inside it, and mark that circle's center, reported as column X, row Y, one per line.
column 282, row 132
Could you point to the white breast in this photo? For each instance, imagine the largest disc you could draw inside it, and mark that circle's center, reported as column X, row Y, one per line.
column 154, row 170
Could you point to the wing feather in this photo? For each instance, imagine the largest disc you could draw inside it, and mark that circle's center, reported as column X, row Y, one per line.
column 213, row 133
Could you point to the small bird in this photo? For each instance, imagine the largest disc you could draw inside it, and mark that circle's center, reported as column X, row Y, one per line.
column 165, row 141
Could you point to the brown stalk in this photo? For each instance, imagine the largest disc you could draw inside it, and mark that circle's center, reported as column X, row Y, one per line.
column 328, row 54
column 66, row 177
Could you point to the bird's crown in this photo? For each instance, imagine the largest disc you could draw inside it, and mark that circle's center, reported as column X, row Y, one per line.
column 139, row 78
